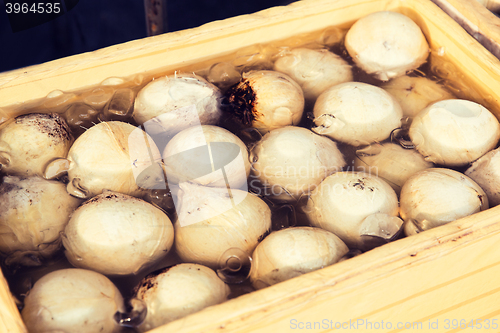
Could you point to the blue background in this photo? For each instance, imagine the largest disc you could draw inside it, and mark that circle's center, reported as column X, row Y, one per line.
column 93, row 24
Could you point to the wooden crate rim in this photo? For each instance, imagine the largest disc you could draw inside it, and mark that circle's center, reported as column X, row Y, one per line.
column 408, row 251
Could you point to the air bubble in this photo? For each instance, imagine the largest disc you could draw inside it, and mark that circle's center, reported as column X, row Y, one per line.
column 282, row 51
column 303, row 206
column 55, row 93
column 250, row 135
column 58, row 101
column 138, row 79
column 120, row 107
column 135, row 314
column 223, row 75
column 113, row 81
column 80, row 117
column 151, row 178
column 234, row 266
column 283, row 215
column 99, row 97
column 255, row 61
column 161, row 198
column 332, row 36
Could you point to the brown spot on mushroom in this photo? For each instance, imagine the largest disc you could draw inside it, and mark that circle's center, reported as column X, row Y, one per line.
column 480, row 199
column 108, row 197
column 52, row 124
column 240, row 101
column 264, row 235
column 8, row 187
column 359, row 184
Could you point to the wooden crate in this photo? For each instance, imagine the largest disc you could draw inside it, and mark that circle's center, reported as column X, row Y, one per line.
column 445, row 276
column 474, row 17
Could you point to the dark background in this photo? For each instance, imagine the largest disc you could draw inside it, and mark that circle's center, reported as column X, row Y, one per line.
column 94, row 24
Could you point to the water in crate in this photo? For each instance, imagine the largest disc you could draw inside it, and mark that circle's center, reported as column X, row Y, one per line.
column 116, row 101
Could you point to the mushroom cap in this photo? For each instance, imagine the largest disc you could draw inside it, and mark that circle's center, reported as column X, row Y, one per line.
column 179, row 291
column 111, row 156
column 356, row 113
column 343, row 202
column 169, row 104
column 437, row 196
column 291, row 252
column 269, row 99
column 391, row 162
column 314, row 70
column 33, row 213
column 386, row 44
column 211, row 221
column 207, row 155
column 454, row 132
column 415, row 93
column 116, row 234
column 292, row 161
column 30, row 142
column 74, row 301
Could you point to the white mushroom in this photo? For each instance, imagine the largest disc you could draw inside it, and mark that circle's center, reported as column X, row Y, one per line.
column 391, row 162
column 356, row 113
column 178, row 291
column 436, row 196
column 454, row 132
column 72, row 301
column 292, row 161
column 314, row 70
column 386, row 44
column 33, row 213
column 485, row 171
column 116, row 234
column 415, row 93
column 207, row 155
column 113, row 156
column 169, row 104
column 361, row 209
column 267, row 100
column 28, row 143
column 291, row 252
column 212, row 221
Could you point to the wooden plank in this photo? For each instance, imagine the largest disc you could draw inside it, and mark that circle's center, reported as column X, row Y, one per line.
column 445, row 273
column 10, row 318
column 481, row 23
